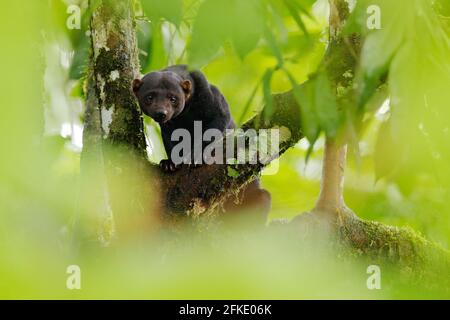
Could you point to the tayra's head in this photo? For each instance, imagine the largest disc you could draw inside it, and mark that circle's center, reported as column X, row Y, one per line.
column 162, row 95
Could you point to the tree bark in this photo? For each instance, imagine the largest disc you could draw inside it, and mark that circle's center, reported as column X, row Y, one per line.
column 114, row 153
column 96, row 213
column 331, row 196
column 211, row 185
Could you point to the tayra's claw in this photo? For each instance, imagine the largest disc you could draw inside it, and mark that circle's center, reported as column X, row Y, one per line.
column 168, row 166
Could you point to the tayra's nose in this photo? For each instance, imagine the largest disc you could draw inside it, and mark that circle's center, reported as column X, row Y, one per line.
column 161, row 116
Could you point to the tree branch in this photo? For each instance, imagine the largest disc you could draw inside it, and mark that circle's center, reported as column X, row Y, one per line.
column 210, row 185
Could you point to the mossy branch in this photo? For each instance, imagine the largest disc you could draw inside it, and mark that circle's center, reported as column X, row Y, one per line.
column 210, row 185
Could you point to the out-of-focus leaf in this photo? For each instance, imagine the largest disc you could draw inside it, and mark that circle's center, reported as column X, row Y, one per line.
column 326, row 106
column 77, row 89
column 388, row 152
column 304, row 95
column 318, row 106
column 210, row 30
column 272, row 42
column 249, row 103
column 80, row 59
column 247, row 26
column 380, row 45
column 267, row 79
column 81, row 43
column 443, row 7
column 278, row 23
column 157, row 58
column 377, row 54
column 304, row 6
column 143, row 32
column 217, row 21
column 296, row 16
column 170, row 10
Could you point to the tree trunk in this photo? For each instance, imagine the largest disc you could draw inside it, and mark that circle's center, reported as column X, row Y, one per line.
column 331, row 196
column 96, row 213
column 114, row 152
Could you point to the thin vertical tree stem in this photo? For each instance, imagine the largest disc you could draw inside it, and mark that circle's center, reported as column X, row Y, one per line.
column 331, row 190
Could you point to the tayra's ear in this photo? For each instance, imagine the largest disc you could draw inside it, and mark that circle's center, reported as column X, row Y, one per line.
column 186, row 85
column 137, row 83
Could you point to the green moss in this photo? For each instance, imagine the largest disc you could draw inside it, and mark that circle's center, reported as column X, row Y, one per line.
column 231, row 172
column 126, row 125
column 403, row 249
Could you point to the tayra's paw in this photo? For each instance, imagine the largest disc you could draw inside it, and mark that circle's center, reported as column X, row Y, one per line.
column 168, row 166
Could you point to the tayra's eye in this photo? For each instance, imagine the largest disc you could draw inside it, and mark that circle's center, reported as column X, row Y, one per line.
column 173, row 100
column 149, row 99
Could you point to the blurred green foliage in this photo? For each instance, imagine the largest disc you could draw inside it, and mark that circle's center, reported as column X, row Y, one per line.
column 248, row 49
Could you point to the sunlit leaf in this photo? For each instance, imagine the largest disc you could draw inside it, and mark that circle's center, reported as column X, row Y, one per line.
column 218, row 21
column 170, row 10
column 296, row 16
column 304, row 6
column 276, row 51
column 326, row 106
column 210, row 30
column 305, row 98
column 249, row 103
column 378, row 51
column 157, row 57
column 247, row 26
column 388, row 152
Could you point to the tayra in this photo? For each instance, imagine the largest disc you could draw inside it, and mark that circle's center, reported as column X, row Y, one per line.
column 177, row 98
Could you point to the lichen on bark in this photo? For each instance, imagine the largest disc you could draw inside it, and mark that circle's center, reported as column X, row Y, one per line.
column 116, row 64
column 118, row 152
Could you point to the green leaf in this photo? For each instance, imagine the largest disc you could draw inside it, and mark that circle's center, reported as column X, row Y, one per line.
column 217, row 21
column 388, row 152
column 443, row 7
column 326, row 106
column 77, row 89
column 157, row 58
column 301, row 6
column 247, row 26
column 318, row 106
column 378, row 51
column 231, row 172
column 79, row 63
column 211, row 27
column 143, row 32
column 272, row 42
column 249, row 103
column 268, row 98
column 305, row 97
column 296, row 16
column 170, row 10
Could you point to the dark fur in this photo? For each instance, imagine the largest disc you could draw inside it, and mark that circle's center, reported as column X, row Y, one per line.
column 200, row 102
column 196, row 100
